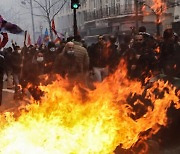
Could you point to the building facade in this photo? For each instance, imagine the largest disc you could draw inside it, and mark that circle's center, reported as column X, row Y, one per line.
column 96, row 17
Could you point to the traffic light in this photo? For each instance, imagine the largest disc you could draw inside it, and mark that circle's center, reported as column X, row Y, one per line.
column 75, row 4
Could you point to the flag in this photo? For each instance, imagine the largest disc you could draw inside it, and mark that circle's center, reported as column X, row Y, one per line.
column 39, row 41
column 29, row 40
column 53, row 26
column 9, row 27
column 4, row 40
column 46, row 32
column 59, row 36
column 46, row 37
column 57, row 40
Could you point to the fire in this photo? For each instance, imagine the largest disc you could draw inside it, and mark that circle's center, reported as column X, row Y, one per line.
column 72, row 119
column 157, row 7
column 157, row 50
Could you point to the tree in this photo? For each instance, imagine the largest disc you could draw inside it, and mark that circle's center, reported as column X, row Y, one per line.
column 47, row 9
column 10, row 14
column 158, row 8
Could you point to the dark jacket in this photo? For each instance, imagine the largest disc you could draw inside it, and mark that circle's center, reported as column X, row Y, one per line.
column 49, row 58
column 97, row 56
column 16, row 62
column 32, row 71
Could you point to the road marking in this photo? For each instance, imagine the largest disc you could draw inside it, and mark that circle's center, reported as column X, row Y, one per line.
column 8, row 90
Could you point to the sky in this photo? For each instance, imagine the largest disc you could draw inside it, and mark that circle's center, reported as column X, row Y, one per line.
column 15, row 12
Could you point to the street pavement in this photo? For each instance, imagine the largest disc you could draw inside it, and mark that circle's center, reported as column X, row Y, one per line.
column 8, row 103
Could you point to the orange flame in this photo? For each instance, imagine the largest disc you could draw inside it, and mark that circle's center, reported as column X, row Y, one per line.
column 72, row 119
column 158, row 7
column 157, row 50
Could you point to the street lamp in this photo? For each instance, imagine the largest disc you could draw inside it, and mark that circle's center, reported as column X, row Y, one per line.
column 32, row 18
column 41, row 28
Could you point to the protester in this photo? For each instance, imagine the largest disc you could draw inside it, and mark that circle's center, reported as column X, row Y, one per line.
column 8, row 67
column 66, row 64
column 2, row 44
column 82, row 57
column 1, row 75
column 43, row 48
column 17, row 68
column 49, row 57
column 143, row 53
column 125, row 45
column 168, row 54
column 98, row 59
column 113, row 54
column 33, row 69
column 61, row 46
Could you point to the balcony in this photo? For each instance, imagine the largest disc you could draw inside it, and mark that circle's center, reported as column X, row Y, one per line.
column 109, row 12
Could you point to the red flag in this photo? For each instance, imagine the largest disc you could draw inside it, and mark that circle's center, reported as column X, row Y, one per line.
column 53, row 26
column 29, row 40
column 58, row 35
column 4, row 40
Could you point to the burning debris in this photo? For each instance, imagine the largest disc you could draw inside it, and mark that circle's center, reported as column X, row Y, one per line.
column 69, row 121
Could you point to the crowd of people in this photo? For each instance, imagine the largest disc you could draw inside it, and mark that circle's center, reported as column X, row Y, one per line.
column 73, row 59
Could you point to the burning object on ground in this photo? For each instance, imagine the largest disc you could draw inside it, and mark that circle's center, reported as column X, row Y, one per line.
column 67, row 121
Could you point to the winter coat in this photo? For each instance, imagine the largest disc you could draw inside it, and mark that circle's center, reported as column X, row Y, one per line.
column 82, row 57
column 16, row 59
column 98, row 56
column 66, row 65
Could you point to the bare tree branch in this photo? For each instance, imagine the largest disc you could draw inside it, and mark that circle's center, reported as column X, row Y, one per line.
column 38, row 15
column 59, row 9
column 54, row 4
column 46, row 6
column 48, row 10
column 43, row 7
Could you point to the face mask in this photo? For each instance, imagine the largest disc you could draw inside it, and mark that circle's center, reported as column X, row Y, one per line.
column 19, row 51
column 70, row 52
column 40, row 59
column 52, row 49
